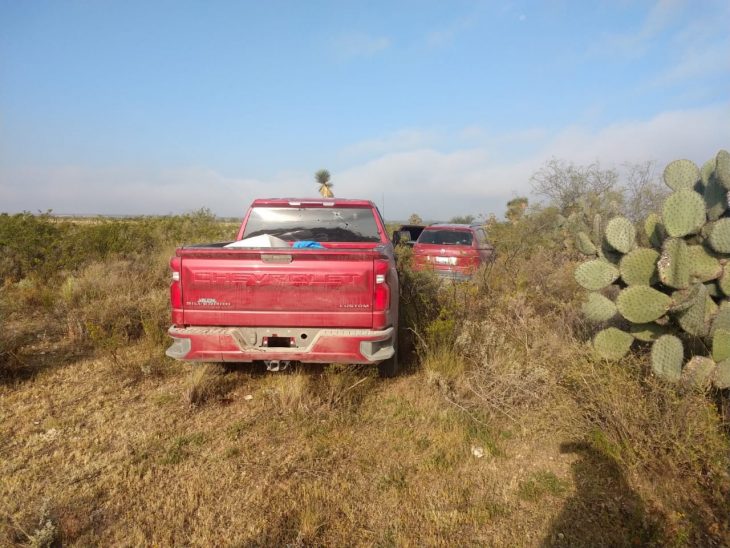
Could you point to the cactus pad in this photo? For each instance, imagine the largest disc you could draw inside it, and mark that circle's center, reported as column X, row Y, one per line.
column 681, row 174
column 721, row 345
column 722, row 318
column 674, row 265
column 584, row 244
column 698, row 372
column 667, row 354
column 598, row 308
column 684, row 298
column 596, row 274
column 642, row 304
column 707, row 169
column 693, row 319
column 703, row 266
column 713, row 290
column 683, row 213
column 719, row 237
column 597, row 233
column 638, row 267
column 715, row 196
column 721, row 375
column 722, row 168
column 654, row 230
column 723, row 281
column 621, row 234
column 711, row 309
column 646, row 332
column 612, row 343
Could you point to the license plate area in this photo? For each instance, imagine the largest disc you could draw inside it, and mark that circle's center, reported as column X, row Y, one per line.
column 278, row 342
column 442, row 260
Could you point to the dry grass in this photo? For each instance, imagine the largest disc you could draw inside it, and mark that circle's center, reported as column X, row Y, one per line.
column 509, row 432
column 329, row 457
column 305, row 459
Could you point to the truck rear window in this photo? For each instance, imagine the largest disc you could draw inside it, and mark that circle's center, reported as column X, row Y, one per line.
column 318, row 224
column 445, row 237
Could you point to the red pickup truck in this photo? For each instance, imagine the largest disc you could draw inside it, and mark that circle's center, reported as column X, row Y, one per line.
column 327, row 294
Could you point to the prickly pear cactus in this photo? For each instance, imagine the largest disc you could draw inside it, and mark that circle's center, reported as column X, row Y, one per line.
column 675, row 293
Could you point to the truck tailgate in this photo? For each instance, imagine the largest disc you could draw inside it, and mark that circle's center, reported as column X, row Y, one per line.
column 292, row 288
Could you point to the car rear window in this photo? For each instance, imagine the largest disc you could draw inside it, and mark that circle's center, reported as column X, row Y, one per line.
column 318, row 224
column 445, row 237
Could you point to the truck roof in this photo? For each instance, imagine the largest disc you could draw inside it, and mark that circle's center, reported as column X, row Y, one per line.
column 327, row 202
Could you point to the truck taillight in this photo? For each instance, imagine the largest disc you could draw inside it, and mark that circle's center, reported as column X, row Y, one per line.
column 175, row 287
column 382, row 290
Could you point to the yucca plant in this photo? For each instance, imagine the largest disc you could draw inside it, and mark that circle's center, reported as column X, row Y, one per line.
column 325, row 186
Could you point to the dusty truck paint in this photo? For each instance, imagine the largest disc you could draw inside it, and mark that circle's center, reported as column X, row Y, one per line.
column 333, row 305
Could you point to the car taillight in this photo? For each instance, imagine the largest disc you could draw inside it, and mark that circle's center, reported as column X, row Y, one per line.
column 175, row 288
column 469, row 258
column 382, row 290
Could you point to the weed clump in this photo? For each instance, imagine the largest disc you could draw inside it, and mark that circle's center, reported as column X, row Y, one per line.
column 305, row 391
column 206, row 382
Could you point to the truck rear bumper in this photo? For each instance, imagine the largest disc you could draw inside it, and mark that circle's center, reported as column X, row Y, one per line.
column 244, row 344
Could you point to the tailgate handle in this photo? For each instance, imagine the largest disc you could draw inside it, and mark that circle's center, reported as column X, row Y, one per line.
column 272, row 258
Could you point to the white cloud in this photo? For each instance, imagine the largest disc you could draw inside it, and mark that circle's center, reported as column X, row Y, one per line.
column 414, row 176
column 698, row 60
column 446, row 35
column 405, row 139
column 119, row 190
column 635, row 44
column 359, row 44
column 692, row 133
column 476, row 179
column 694, row 39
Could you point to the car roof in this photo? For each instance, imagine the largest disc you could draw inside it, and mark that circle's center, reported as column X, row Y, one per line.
column 451, row 226
column 328, row 202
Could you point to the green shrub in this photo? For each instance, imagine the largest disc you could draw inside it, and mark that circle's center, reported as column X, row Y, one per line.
column 44, row 246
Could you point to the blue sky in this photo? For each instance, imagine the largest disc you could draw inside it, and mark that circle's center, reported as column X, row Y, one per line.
column 440, row 107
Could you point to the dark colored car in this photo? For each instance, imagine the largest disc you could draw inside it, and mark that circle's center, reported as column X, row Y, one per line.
column 407, row 234
column 452, row 251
